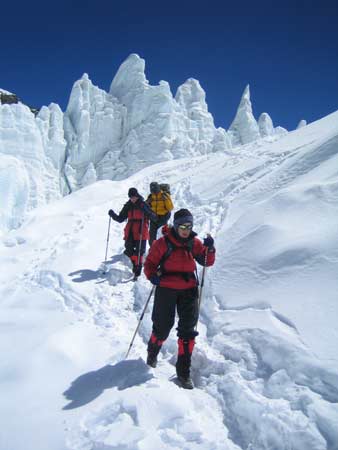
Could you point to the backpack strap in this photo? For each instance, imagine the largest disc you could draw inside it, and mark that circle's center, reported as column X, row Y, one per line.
column 168, row 252
column 148, row 201
column 170, row 247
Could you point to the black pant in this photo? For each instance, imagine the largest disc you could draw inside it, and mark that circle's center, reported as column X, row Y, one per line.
column 163, row 316
column 161, row 220
column 132, row 246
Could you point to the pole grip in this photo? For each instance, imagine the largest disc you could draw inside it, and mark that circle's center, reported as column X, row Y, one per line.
column 202, row 284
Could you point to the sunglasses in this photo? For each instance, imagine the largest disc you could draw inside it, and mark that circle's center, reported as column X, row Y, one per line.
column 185, row 227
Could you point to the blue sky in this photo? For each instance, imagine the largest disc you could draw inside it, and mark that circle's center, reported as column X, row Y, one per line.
column 288, row 52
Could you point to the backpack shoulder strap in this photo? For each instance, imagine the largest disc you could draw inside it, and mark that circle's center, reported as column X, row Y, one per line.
column 170, row 248
column 148, row 201
column 190, row 246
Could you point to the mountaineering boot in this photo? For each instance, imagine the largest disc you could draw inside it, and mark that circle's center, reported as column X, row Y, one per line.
column 185, row 348
column 152, row 360
column 185, row 383
column 137, row 269
column 137, row 265
column 154, row 346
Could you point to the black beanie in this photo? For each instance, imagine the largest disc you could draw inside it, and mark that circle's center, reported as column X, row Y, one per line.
column 133, row 192
column 182, row 216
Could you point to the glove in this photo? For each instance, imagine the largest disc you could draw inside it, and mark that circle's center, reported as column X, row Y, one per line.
column 111, row 213
column 155, row 280
column 208, row 242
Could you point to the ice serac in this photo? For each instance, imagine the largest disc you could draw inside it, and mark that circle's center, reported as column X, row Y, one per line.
column 280, row 131
column 134, row 125
column 150, row 130
column 50, row 123
column 93, row 127
column 159, row 127
column 129, row 80
column 14, row 192
column 244, row 128
column 301, row 124
column 265, row 125
column 29, row 167
column 191, row 98
column 221, row 141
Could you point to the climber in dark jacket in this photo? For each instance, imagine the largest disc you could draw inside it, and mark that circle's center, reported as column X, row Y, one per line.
column 136, row 232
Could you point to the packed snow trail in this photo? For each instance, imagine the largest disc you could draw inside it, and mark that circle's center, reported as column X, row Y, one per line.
column 65, row 326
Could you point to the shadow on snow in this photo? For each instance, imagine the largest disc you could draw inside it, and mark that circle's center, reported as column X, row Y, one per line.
column 103, row 273
column 91, row 385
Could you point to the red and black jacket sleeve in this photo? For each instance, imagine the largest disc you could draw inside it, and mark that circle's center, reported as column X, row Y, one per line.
column 199, row 253
column 156, row 252
column 123, row 215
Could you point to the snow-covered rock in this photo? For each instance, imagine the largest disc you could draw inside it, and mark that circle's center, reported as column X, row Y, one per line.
column 7, row 97
column 3, row 91
column 244, row 128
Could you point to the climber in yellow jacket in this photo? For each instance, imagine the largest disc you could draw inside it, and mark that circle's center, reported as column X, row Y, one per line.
column 161, row 204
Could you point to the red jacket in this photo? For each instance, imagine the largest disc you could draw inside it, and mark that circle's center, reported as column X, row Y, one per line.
column 138, row 219
column 136, row 222
column 179, row 267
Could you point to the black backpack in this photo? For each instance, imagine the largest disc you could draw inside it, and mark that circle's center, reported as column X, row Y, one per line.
column 165, row 188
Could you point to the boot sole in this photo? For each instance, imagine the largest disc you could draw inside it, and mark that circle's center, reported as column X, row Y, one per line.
column 152, row 364
column 183, row 383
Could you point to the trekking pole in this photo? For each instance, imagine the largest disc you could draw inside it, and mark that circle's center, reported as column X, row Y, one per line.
column 105, row 257
column 140, row 242
column 140, row 320
column 202, row 284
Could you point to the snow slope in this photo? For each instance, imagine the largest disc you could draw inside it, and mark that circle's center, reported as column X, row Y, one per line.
column 265, row 366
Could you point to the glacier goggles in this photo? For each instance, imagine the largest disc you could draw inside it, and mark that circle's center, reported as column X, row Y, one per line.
column 185, row 226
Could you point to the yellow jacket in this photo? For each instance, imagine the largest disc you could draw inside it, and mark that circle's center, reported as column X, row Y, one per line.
column 160, row 203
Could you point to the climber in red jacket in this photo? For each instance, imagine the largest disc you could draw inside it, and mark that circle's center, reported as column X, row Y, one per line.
column 171, row 266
